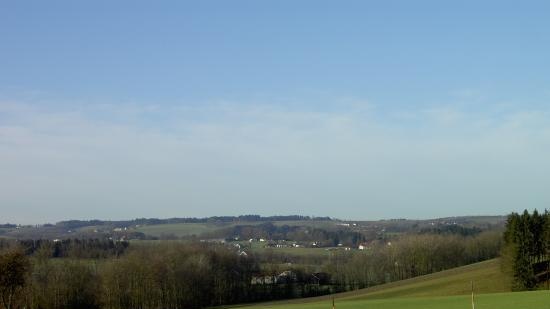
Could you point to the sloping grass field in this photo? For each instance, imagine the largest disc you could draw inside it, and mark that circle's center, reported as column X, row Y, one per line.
column 487, row 278
column 446, row 290
column 517, row 300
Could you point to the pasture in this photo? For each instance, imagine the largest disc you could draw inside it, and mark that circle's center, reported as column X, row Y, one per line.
column 180, row 229
column 187, row 229
column 516, row 300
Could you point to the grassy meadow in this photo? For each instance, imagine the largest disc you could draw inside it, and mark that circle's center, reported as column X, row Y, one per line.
column 186, row 229
column 516, row 300
column 179, row 229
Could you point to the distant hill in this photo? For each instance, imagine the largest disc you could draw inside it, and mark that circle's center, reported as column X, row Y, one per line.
column 214, row 219
column 230, row 226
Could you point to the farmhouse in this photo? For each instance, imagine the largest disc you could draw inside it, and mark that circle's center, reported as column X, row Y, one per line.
column 263, row 280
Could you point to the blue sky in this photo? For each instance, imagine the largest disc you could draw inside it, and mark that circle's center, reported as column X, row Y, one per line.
column 356, row 109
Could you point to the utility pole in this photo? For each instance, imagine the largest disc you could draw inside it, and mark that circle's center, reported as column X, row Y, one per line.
column 473, row 302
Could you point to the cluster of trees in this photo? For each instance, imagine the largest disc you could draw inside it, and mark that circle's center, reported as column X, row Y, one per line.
column 411, row 256
column 156, row 276
column 527, row 251
column 73, row 248
column 79, row 248
column 452, row 229
column 163, row 275
column 178, row 276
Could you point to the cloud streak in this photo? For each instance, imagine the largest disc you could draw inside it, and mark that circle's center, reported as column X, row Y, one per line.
column 116, row 161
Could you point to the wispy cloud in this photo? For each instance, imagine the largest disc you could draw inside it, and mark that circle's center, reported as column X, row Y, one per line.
column 129, row 160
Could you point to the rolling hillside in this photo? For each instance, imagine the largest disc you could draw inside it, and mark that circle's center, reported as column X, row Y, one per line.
column 447, row 289
column 487, row 278
column 510, row 300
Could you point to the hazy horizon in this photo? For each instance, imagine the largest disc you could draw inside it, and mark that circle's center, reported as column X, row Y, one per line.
column 263, row 216
column 350, row 110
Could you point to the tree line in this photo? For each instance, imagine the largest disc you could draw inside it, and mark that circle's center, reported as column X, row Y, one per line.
column 74, row 224
column 157, row 276
column 88, row 248
column 411, row 256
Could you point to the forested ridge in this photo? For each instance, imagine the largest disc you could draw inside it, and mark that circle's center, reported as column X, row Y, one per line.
column 214, row 219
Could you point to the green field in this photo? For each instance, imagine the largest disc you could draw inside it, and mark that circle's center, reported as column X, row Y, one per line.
column 186, row 229
column 179, row 229
column 517, row 300
column 447, row 289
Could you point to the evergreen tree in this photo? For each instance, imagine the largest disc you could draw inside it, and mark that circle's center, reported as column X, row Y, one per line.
column 527, row 239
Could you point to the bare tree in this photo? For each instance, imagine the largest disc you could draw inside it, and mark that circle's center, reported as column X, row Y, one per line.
column 14, row 266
